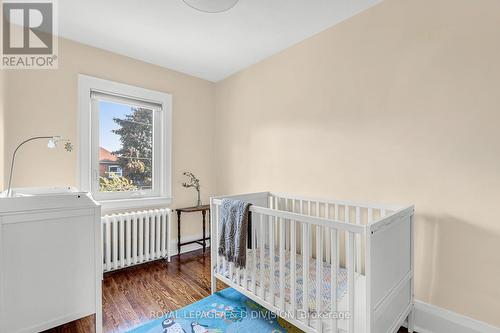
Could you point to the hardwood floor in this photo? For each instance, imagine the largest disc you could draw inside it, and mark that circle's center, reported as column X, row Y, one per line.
column 136, row 295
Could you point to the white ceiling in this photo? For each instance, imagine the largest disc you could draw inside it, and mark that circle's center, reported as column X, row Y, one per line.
column 210, row 46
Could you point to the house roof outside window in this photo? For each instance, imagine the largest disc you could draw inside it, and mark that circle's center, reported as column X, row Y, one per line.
column 105, row 156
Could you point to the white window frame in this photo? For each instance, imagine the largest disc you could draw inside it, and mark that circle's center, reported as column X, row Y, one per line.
column 88, row 156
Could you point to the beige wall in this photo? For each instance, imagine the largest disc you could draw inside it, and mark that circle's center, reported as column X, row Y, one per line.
column 399, row 104
column 44, row 102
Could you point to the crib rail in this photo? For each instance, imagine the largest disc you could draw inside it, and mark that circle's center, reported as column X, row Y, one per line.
column 296, row 245
column 359, row 204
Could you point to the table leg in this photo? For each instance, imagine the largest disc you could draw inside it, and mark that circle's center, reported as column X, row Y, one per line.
column 210, row 226
column 204, row 212
column 179, row 233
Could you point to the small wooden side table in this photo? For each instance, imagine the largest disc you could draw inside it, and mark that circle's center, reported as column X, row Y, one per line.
column 202, row 241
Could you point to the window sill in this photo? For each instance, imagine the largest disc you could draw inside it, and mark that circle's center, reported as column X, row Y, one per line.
column 108, row 206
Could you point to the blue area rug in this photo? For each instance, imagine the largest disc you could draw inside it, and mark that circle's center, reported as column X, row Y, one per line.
column 225, row 311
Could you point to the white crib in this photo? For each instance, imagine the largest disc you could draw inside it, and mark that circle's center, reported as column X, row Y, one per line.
column 365, row 250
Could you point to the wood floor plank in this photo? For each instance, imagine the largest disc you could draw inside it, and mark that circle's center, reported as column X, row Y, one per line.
column 138, row 294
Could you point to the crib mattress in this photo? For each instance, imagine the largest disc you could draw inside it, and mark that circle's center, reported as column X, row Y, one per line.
column 326, row 285
column 326, row 278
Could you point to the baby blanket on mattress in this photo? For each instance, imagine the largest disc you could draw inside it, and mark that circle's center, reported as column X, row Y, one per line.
column 326, row 280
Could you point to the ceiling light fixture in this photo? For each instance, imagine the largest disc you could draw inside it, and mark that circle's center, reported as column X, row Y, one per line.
column 211, row 6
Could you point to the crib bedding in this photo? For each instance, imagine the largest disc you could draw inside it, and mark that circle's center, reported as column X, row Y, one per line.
column 326, row 279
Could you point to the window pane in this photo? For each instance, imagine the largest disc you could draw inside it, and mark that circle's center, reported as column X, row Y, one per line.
column 125, row 147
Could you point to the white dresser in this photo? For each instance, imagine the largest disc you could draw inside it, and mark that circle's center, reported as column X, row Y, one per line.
column 50, row 261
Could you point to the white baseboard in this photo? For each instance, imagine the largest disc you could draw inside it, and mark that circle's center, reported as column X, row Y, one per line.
column 187, row 248
column 433, row 319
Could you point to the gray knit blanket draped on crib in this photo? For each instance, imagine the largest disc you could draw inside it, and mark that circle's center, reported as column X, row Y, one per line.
column 233, row 231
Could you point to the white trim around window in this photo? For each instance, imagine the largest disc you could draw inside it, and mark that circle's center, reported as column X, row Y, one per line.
column 88, row 167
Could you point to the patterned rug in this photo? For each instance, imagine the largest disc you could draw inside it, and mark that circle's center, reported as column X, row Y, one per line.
column 225, row 311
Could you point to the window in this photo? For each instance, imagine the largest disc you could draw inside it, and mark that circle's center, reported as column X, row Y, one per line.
column 125, row 143
column 114, row 170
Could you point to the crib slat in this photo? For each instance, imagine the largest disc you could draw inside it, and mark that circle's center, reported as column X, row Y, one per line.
column 333, row 273
column 305, row 270
column 215, row 222
column 293, row 277
column 254, row 253
column 358, row 242
column 319, row 273
column 282, row 263
column 214, row 255
column 293, row 209
column 262, row 244
column 350, row 272
column 346, row 235
column 287, row 226
column 328, row 241
column 271, row 259
column 220, row 261
column 301, row 211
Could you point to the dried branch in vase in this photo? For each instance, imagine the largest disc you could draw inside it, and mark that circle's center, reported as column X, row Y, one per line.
column 193, row 182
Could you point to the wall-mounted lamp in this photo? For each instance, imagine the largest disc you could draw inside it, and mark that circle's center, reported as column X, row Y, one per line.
column 52, row 143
